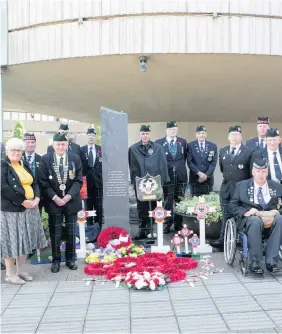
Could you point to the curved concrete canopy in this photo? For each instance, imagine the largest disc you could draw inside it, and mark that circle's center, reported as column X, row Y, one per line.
column 207, row 87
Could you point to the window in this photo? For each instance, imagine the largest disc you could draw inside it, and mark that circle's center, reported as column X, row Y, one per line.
column 29, row 116
column 15, row 116
column 22, row 116
column 44, row 118
column 7, row 115
column 37, row 117
column 51, row 118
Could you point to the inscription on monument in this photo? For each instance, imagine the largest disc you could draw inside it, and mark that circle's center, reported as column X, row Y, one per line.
column 116, row 185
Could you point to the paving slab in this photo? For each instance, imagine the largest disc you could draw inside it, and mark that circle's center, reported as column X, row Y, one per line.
column 109, row 297
column 236, row 304
column 6, row 300
column 25, row 315
column 154, row 325
column 64, row 314
column 18, row 328
column 151, row 310
column 276, row 316
column 227, row 290
column 195, row 307
column 256, row 279
column 32, row 301
column 68, row 299
column 199, row 324
column 61, row 327
column 248, row 320
column 221, row 278
column 264, row 288
column 185, row 284
column 72, row 287
column 270, row 301
column 112, row 326
column 8, row 289
column 187, row 292
column 38, row 287
column 108, row 311
column 148, row 296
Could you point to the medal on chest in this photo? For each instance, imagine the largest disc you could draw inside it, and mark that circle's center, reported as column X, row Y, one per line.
column 62, row 181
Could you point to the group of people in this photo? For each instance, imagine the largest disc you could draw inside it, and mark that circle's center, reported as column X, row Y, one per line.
column 251, row 183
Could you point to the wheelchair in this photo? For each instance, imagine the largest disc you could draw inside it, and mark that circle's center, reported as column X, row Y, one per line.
column 237, row 242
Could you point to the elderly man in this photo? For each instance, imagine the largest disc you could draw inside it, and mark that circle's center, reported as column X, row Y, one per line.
column 252, row 199
column 273, row 154
column 176, row 155
column 259, row 142
column 146, row 157
column 61, row 181
column 33, row 159
column 234, row 163
column 202, row 160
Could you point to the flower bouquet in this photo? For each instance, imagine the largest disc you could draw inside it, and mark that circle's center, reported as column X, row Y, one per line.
column 145, row 280
column 131, row 250
column 102, row 255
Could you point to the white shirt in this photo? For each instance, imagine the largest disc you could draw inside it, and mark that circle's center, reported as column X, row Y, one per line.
column 58, row 158
column 93, row 152
column 265, row 192
column 236, row 149
column 271, row 163
column 32, row 157
column 203, row 143
column 169, row 139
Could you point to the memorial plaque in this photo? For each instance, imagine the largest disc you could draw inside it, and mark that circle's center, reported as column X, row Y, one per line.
column 149, row 188
column 114, row 128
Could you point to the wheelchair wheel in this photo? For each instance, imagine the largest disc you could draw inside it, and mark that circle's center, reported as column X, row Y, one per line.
column 280, row 253
column 230, row 236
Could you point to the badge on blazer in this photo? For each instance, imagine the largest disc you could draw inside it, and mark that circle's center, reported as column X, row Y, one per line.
column 240, row 166
column 100, row 159
column 71, row 176
column 209, row 159
column 166, row 153
column 151, row 151
column 50, row 177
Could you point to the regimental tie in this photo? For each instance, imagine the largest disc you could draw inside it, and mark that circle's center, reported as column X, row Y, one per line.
column 232, row 155
column 260, row 198
column 90, row 157
column 61, row 167
column 172, row 148
column 261, row 145
column 69, row 148
column 277, row 168
column 202, row 149
column 29, row 159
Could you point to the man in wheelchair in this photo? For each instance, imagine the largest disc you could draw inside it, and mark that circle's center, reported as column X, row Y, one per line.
column 256, row 206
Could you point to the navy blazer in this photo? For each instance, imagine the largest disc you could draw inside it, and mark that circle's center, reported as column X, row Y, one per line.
column 12, row 191
column 198, row 162
column 179, row 161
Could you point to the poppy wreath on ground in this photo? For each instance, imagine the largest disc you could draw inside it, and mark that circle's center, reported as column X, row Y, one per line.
column 175, row 275
column 97, row 269
column 184, row 263
column 111, row 233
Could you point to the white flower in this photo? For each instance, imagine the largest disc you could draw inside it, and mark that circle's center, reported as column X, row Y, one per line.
column 152, row 285
column 146, row 275
column 139, row 284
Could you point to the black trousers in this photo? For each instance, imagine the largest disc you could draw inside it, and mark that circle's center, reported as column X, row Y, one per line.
column 199, row 189
column 55, row 228
column 225, row 209
column 95, row 202
column 172, row 193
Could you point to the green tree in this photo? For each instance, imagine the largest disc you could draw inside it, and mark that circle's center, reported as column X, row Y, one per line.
column 19, row 130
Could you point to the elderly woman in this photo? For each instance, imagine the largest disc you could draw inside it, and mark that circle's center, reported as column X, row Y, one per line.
column 21, row 228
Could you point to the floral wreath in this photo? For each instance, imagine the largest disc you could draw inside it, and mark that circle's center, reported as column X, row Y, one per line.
column 111, row 233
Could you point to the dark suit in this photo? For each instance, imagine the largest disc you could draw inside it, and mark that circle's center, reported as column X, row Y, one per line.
column 12, row 191
column 253, row 143
column 263, row 154
column 204, row 162
column 50, row 187
column 178, row 176
column 233, row 172
column 242, row 201
column 73, row 147
column 94, row 182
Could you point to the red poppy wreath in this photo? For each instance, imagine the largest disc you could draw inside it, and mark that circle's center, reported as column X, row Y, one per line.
column 114, row 233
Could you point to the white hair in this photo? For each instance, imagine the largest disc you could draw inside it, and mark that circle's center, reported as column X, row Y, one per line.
column 15, row 144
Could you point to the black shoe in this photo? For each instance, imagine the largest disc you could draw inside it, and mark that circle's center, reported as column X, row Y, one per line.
column 177, row 227
column 140, row 235
column 71, row 265
column 55, row 268
column 272, row 268
column 3, row 267
column 255, row 268
column 219, row 243
column 166, row 229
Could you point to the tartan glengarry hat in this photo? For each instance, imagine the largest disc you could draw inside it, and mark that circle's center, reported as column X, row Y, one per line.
column 91, row 131
column 60, row 137
column 260, row 164
column 272, row 133
column 145, row 128
column 235, row 128
column 263, row 120
column 171, row 124
column 64, row 127
column 29, row 136
column 200, row 128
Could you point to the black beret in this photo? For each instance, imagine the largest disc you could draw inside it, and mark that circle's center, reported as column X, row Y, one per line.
column 200, row 128
column 29, row 136
column 64, row 127
column 171, row 124
column 145, row 128
column 60, row 137
column 272, row 133
column 235, row 128
column 263, row 120
column 260, row 164
column 91, row 131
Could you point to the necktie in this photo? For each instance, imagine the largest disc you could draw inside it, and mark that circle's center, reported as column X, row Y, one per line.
column 61, row 168
column 90, row 157
column 232, row 153
column 69, row 148
column 261, row 201
column 29, row 159
column 172, row 148
column 277, row 168
column 261, row 143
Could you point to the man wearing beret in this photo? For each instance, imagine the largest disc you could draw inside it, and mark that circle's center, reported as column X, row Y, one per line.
column 146, row 157
column 176, row 155
column 72, row 147
column 202, row 160
column 259, row 142
column 29, row 155
column 91, row 158
column 273, row 154
column 252, row 199
column 234, row 163
column 61, row 181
